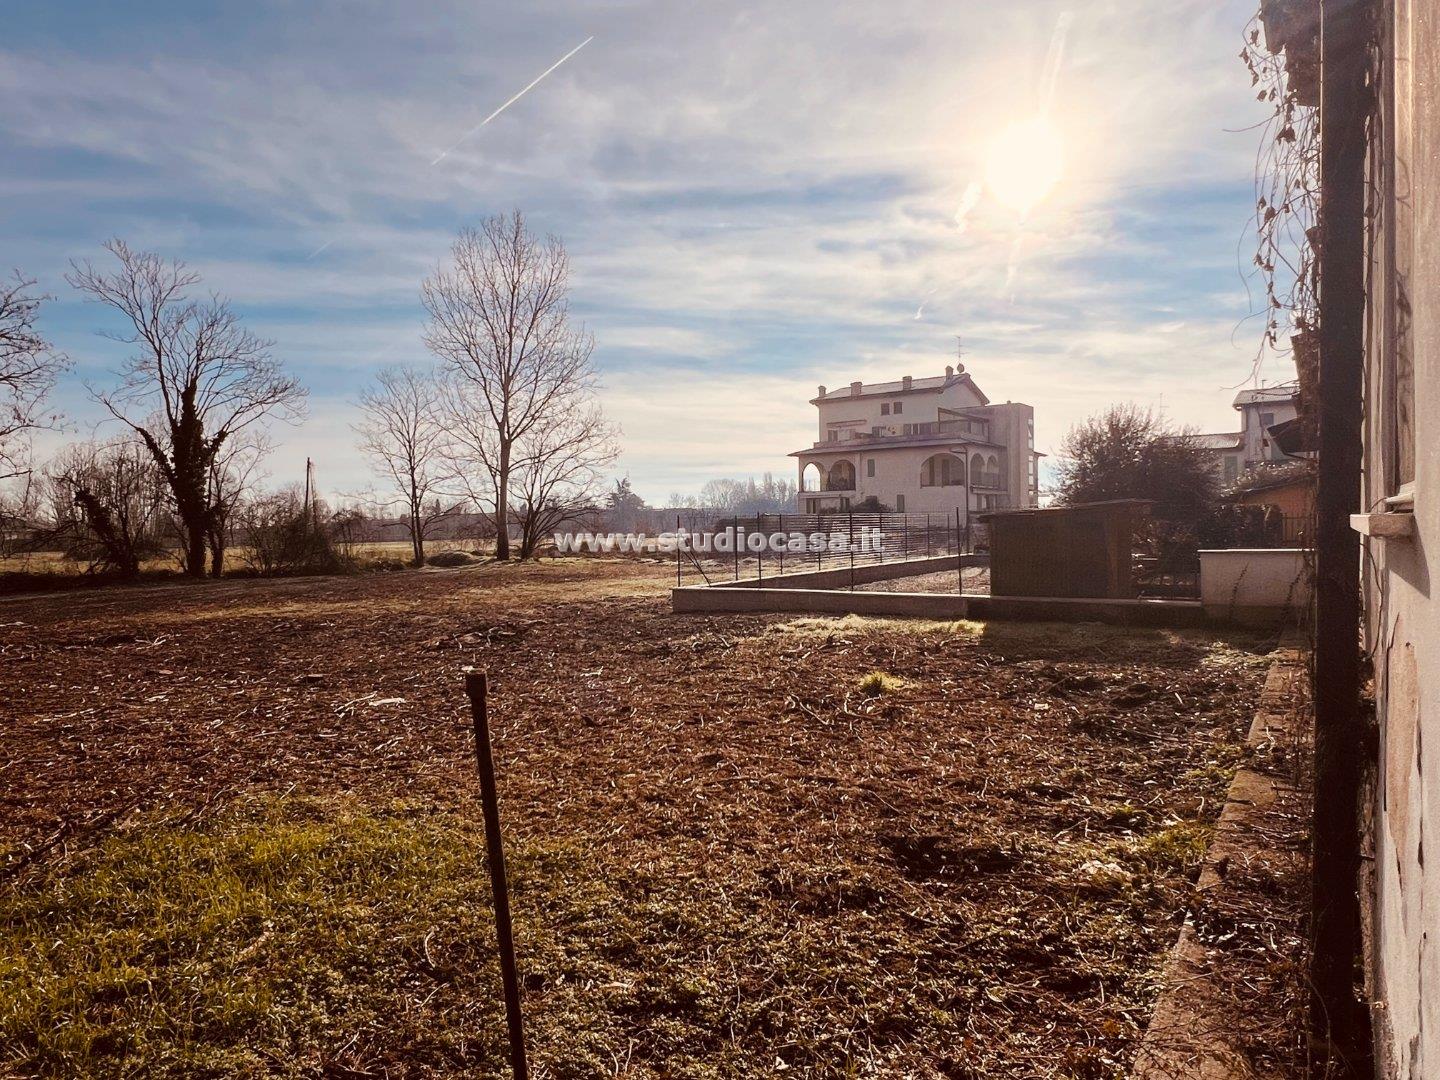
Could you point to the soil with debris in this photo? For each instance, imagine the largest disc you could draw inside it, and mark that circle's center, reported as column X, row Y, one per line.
column 970, row 866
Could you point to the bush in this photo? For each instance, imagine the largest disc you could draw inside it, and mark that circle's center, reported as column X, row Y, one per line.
column 284, row 536
column 450, row 558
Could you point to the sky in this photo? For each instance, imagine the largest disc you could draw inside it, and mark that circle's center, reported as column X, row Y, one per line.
column 756, row 198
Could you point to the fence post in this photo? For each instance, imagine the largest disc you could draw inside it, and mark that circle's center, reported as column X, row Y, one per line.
column 735, row 543
column 781, row 531
column 959, row 565
column 851, row 546
column 495, row 850
column 677, row 551
column 760, row 555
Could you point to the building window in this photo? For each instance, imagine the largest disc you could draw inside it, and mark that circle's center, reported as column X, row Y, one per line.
column 899, row 407
column 899, row 504
column 885, row 409
column 844, row 503
column 1232, row 468
column 870, row 467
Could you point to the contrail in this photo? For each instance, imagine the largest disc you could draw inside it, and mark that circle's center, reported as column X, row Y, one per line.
column 514, row 99
column 1053, row 61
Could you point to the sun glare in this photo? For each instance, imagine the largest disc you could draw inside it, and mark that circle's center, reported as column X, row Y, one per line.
column 1024, row 163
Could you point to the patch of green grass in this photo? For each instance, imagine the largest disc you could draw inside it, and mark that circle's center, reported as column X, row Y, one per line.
column 877, row 683
column 289, row 930
column 1178, row 846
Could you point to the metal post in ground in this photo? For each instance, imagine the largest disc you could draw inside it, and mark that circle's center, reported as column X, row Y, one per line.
column 735, row 543
column 677, row 550
column 851, row 545
column 781, row 531
column 760, row 555
column 495, row 851
column 959, row 564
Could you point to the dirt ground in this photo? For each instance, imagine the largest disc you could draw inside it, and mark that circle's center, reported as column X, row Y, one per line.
column 737, row 855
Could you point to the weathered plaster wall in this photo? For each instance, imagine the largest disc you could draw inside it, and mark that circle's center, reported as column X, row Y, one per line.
column 1401, row 576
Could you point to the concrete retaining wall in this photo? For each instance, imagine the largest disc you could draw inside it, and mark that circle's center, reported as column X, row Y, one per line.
column 1254, row 586
column 945, row 606
column 716, row 598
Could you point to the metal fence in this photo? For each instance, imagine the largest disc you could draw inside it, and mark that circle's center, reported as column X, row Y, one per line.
column 735, row 546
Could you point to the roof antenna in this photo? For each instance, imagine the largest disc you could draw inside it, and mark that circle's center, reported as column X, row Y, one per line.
column 959, row 354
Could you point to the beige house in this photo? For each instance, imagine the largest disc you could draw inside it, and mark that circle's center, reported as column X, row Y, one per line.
column 919, row 446
column 1260, row 409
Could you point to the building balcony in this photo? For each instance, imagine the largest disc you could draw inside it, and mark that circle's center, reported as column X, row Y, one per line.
column 837, row 486
column 991, row 480
column 891, row 434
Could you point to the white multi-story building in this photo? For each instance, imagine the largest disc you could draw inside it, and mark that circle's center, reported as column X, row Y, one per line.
column 919, row 446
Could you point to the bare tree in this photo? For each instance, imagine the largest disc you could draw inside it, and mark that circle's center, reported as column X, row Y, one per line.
column 196, row 380
column 234, row 474
column 500, row 320
column 403, row 434
column 107, row 501
column 558, row 471
column 28, row 368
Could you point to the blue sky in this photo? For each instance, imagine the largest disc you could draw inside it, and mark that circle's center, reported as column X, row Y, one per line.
column 757, row 197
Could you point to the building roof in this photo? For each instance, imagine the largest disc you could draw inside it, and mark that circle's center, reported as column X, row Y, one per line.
column 931, row 384
column 1266, row 395
column 1222, row 440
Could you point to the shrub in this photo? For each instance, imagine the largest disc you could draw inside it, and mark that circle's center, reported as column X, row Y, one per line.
column 284, row 536
column 450, row 558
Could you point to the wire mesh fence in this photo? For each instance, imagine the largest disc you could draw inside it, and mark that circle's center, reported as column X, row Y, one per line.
column 728, row 546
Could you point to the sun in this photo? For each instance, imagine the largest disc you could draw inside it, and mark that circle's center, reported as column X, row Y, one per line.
column 1024, row 164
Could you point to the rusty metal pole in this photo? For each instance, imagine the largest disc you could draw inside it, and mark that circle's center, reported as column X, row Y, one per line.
column 495, row 851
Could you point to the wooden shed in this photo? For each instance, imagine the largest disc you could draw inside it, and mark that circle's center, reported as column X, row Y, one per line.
column 1085, row 550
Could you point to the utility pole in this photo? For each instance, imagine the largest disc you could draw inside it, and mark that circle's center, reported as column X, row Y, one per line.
column 1338, row 1017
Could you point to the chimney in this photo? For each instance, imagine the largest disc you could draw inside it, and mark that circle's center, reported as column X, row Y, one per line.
column 822, row 391
column 905, row 383
column 949, row 371
column 855, row 389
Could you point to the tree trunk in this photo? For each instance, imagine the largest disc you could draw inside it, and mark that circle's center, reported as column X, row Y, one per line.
column 195, row 547
column 417, row 540
column 502, row 507
column 217, row 554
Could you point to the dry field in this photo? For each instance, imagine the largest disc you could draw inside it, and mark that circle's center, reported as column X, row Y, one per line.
column 240, row 836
